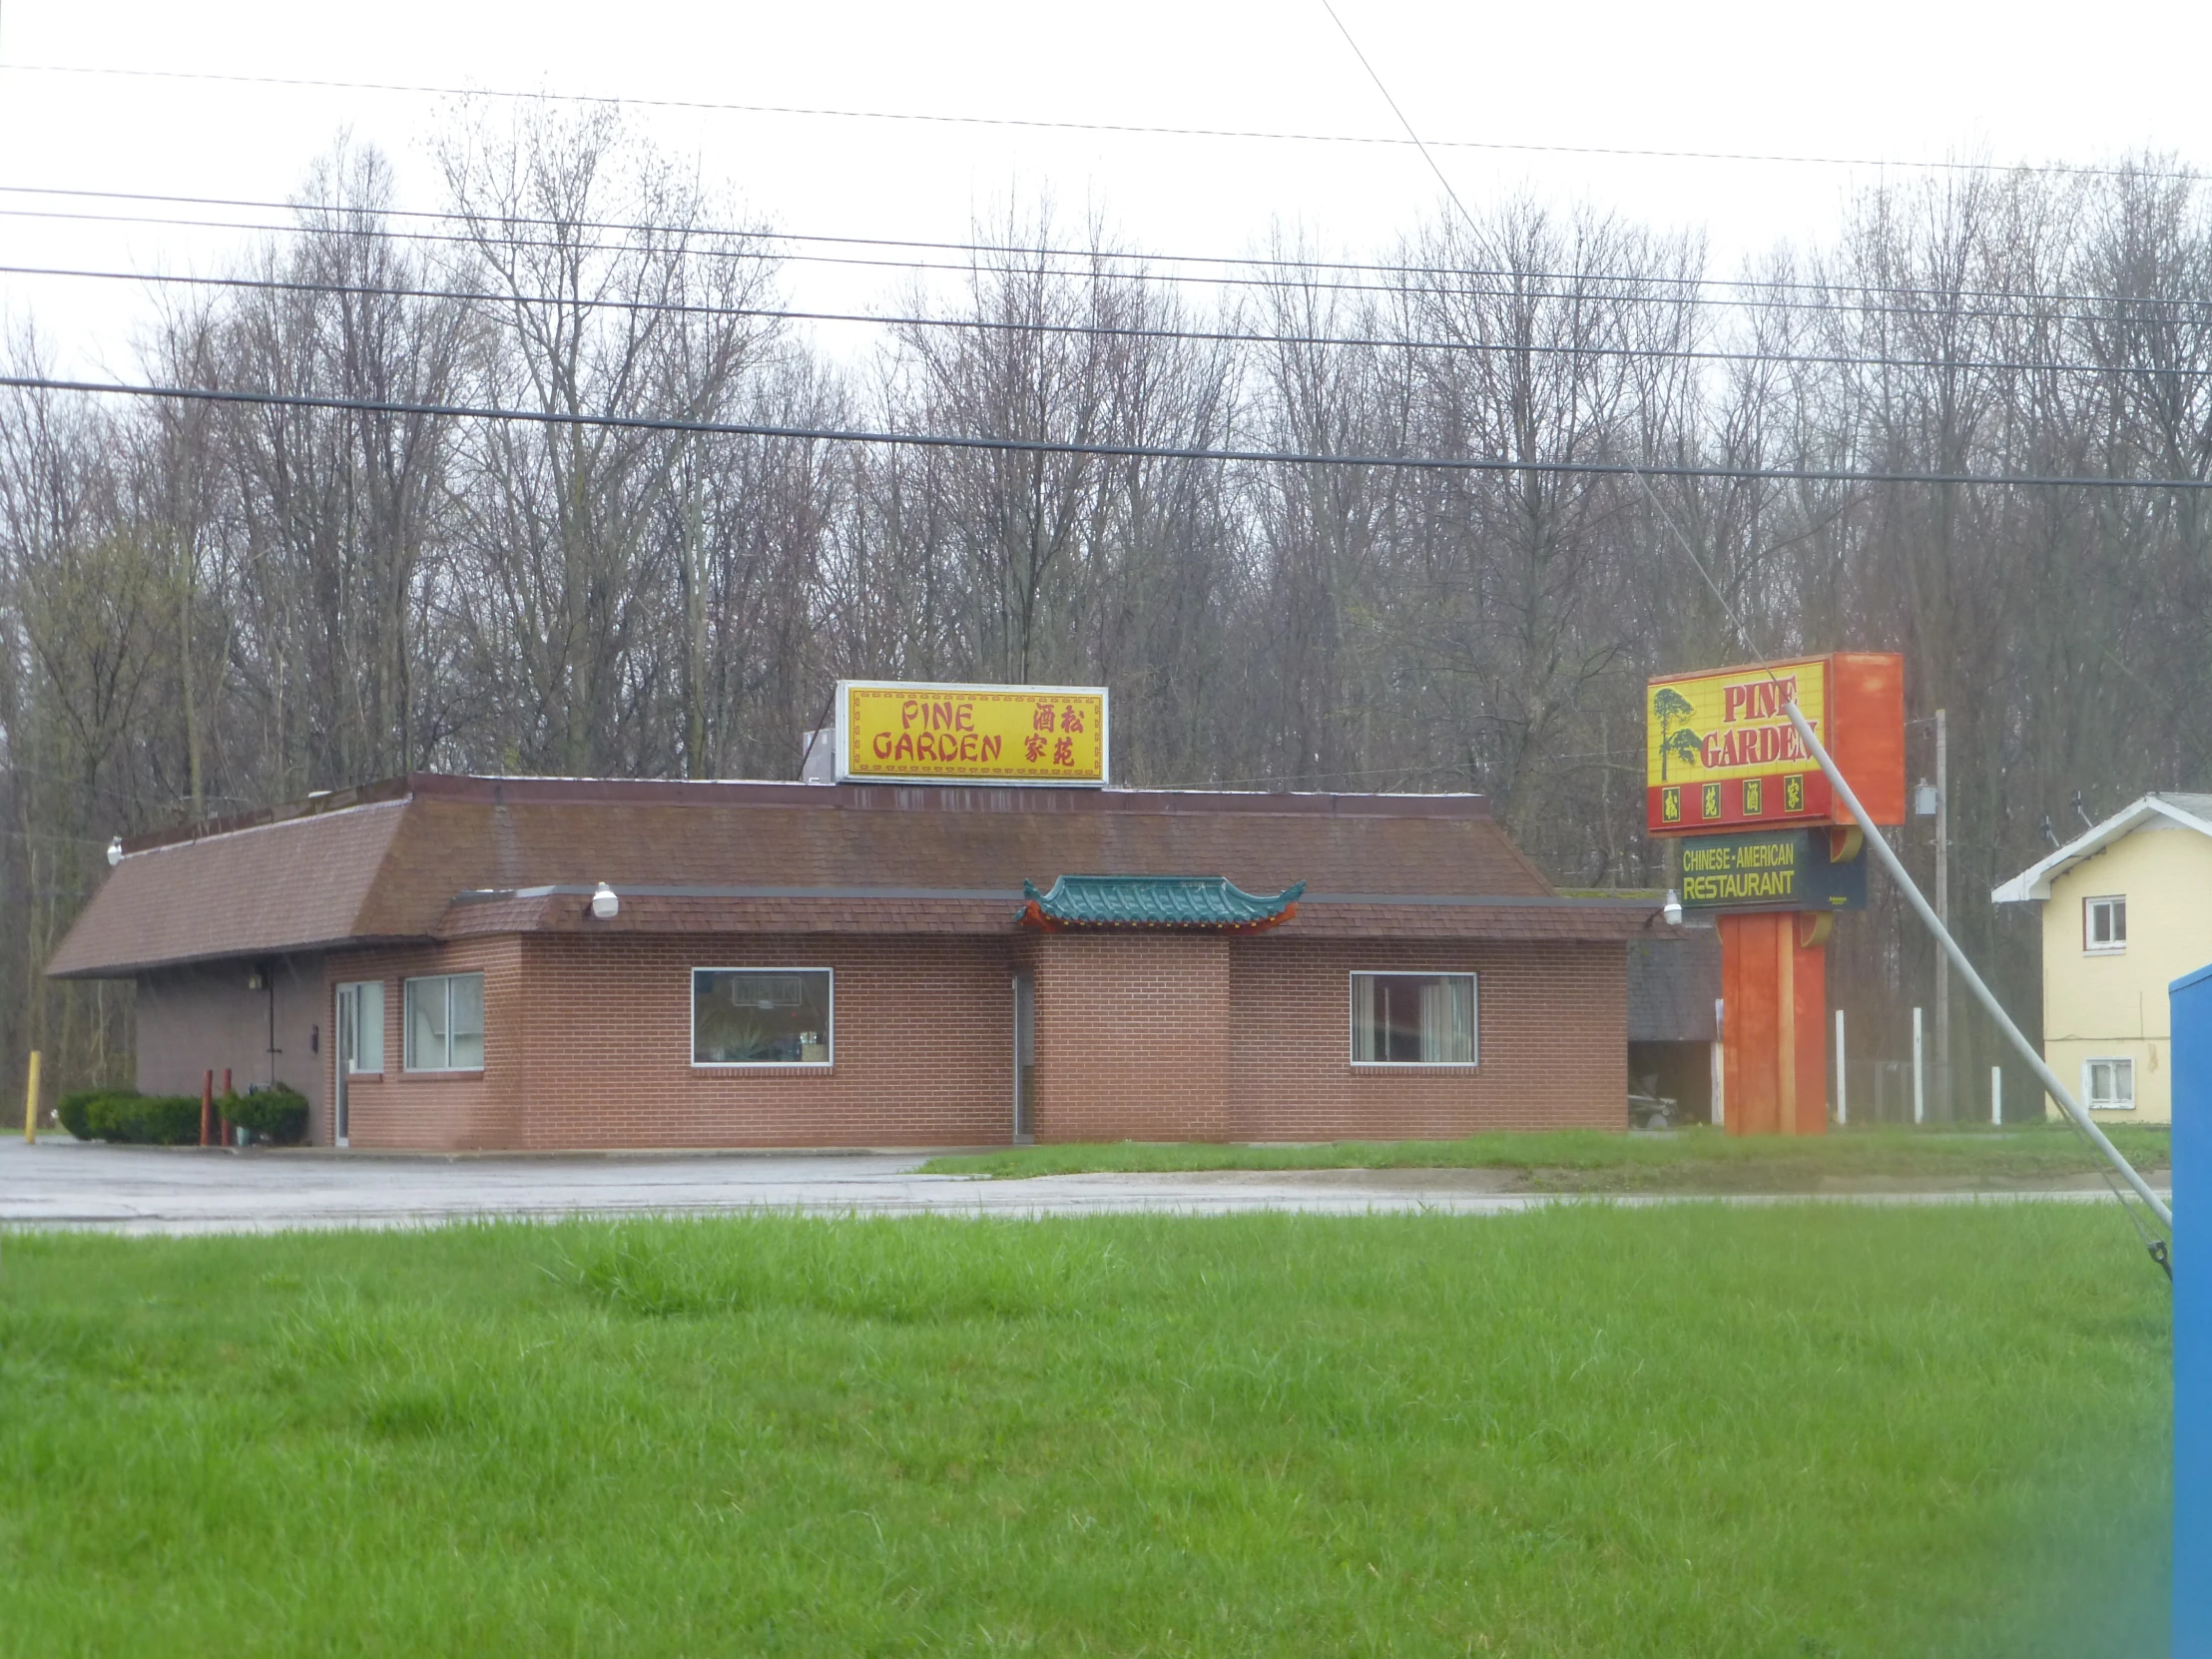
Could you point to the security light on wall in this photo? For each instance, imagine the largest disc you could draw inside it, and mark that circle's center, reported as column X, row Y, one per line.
column 1671, row 910
column 115, row 853
column 604, row 905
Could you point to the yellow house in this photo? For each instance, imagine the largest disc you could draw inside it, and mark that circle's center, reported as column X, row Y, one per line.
column 2127, row 909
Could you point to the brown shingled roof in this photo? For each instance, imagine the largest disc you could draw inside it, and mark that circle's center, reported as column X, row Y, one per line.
column 434, row 856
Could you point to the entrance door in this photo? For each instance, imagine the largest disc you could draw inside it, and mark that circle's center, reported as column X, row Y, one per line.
column 360, row 1047
column 1025, row 1054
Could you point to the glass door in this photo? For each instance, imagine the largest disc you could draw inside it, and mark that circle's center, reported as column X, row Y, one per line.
column 1025, row 1054
column 360, row 1049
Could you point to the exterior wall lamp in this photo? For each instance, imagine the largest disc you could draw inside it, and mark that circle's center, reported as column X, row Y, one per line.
column 604, row 906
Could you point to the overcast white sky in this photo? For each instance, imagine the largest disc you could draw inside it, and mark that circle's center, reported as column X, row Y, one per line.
column 1898, row 82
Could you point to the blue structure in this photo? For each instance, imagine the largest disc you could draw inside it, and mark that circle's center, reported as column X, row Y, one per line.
column 2192, row 1170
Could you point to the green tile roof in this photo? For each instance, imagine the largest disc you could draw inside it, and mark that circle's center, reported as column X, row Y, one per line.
column 1209, row 901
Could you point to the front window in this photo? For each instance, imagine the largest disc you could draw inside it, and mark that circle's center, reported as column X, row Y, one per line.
column 2104, row 924
column 445, row 1022
column 1413, row 1019
column 761, row 1016
column 2110, row 1084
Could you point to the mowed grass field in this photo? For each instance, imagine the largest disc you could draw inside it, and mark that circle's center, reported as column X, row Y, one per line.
column 1589, row 1159
column 1695, row 1430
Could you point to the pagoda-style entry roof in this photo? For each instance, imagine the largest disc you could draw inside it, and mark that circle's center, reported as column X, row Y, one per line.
column 1212, row 903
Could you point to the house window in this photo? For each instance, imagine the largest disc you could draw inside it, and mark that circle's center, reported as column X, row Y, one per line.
column 445, row 1023
column 761, row 1016
column 2109, row 1085
column 2104, row 924
column 1413, row 1019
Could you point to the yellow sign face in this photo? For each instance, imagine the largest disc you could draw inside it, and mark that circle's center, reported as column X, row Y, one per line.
column 1719, row 753
column 1029, row 735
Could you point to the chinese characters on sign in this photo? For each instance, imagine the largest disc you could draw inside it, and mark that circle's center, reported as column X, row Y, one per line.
column 894, row 733
column 1721, row 752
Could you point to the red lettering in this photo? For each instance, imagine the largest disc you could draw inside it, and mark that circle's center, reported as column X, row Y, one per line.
column 1063, row 753
column 883, row 746
column 965, row 716
column 991, row 746
column 1732, row 702
column 968, row 745
column 908, row 713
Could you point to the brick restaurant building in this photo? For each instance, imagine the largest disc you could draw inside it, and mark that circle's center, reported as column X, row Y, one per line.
column 449, row 962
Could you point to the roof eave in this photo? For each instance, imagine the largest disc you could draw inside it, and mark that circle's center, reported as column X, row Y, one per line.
column 2032, row 885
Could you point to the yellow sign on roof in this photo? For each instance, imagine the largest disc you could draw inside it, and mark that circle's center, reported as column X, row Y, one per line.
column 894, row 733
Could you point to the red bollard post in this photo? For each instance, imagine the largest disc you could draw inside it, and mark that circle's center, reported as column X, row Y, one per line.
column 226, row 1137
column 207, row 1108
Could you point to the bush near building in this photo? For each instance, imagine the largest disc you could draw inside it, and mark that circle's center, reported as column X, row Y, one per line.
column 276, row 1113
column 128, row 1118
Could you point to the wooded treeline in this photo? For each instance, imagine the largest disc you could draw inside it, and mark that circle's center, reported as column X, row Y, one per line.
column 209, row 606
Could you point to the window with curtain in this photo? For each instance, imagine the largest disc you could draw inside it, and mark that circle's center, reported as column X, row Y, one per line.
column 2109, row 1085
column 445, row 1022
column 1413, row 1019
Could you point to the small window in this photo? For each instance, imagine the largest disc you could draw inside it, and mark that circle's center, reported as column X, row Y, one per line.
column 2109, row 1085
column 445, row 1023
column 2104, row 924
column 761, row 1016
column 1413, row 1019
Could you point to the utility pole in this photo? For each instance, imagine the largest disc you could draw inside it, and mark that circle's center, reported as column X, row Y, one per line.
column 1944, row 1096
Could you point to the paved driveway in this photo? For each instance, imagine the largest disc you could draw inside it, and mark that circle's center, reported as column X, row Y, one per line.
column 59, row 1183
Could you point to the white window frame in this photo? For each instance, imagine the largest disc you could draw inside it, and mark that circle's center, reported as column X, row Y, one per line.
column 364, row 1028
column 2089, row 1100
column 830, row 1023
column 1474, row 1020
column 406, row 1024
column 2111, row 948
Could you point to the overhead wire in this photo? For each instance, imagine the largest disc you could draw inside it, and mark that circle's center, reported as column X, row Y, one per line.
column 1214, row 336
column 1055, row 446
column 1299, row 268
column 1612, row 287
column 926, row 118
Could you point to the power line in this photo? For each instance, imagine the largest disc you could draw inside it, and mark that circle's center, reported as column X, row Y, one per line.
column 1054, row 446
column 1618, row 287
column 1297, row 267
column 1206, row 336
column 1018, row 123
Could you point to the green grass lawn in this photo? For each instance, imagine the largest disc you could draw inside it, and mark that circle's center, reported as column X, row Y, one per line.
column 1699, row 1431
column 1589, row 1159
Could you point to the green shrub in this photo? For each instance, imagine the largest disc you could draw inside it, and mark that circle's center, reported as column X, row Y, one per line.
column 144, row 1120
column 276, row 1113
column 75, row 1109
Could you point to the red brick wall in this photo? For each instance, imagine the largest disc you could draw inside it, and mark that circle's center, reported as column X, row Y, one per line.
column 439, row 1111
column 1139, row 1036
column 1132, row 1037
column 1551, row 1032
column 587, row 1043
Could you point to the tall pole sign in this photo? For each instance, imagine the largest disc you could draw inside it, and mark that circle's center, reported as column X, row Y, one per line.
column 1765, row 845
